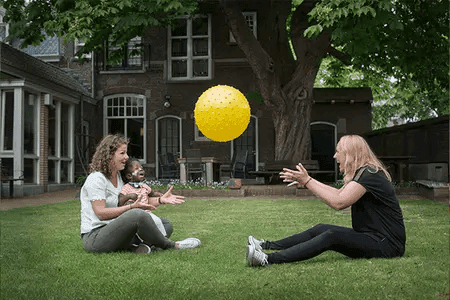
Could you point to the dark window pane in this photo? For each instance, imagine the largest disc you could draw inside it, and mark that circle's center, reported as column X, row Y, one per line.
column 64, row 130
column 179, row 47
column 116, row 126
column 200, row 47
column 179, row 68
column 200, row 67
column 200, row 26
column 7, row 165
column 135, row 132
column 29, row 170
column 9, row 121
column 51, row 131
column 51, row 171
column 65, row 171
column 179, row 27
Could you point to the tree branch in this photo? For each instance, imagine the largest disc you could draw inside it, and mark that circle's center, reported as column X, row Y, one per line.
column 344, row 58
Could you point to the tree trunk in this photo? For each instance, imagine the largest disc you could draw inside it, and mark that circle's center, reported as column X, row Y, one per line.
column 290, row 102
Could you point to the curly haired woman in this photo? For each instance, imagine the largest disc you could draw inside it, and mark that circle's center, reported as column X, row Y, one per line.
column 105, row 225
column 377, row 223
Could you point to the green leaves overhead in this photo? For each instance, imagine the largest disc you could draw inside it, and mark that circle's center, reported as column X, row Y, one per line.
column 93, row 21
column 407, row 40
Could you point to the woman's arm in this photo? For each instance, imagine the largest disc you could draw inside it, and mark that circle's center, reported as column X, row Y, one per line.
column 108, row 213
column 335, row 198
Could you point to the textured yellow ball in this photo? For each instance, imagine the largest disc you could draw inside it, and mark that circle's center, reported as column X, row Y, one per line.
column 222, row 113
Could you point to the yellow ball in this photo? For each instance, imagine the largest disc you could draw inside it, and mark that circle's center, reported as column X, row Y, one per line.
column 222, row 113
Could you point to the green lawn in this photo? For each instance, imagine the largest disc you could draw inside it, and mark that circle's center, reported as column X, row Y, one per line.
column 42, row 256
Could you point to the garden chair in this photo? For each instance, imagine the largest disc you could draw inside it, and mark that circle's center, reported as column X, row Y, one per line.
column 237, row 166
column 194, row 166
column 168, row 166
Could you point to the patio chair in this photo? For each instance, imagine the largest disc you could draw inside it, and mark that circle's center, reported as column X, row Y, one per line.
column 168, row 166
column 237, row 166
column 194, row 166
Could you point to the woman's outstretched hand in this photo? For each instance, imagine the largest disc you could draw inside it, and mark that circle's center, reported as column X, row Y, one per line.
column 169, row 198
column 300, row 176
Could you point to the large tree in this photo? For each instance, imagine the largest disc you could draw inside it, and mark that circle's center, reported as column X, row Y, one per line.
column 403, row 39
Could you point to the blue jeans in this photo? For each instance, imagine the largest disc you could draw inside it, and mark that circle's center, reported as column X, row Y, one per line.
column 121, row 233
column 321, row 238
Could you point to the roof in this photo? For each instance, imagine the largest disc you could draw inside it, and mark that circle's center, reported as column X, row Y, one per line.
column 19, row 64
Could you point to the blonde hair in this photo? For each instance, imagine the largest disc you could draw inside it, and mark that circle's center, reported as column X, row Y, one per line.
column 357, row 154
column 101, row 160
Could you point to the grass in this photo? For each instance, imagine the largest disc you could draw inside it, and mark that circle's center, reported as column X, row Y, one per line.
column 42, row 256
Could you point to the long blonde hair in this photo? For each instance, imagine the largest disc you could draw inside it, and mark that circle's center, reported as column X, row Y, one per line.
column 358, row 154
column 101, row 160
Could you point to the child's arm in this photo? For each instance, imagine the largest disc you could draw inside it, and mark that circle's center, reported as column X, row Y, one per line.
column 127, row 199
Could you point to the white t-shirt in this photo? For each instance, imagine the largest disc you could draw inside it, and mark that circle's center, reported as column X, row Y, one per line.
column 97, row 187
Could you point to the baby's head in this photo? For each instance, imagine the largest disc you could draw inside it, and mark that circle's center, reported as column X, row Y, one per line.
column 133, row 171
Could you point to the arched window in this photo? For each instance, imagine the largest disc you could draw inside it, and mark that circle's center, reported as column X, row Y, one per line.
column 125, row 114
column 168, row 143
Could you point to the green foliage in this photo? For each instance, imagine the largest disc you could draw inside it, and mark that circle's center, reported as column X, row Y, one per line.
column 255, row 96
column 392, row 98
column 406, row 40
column 384, row 39
column 94, row 21
column 80, row 179
column 42, row 256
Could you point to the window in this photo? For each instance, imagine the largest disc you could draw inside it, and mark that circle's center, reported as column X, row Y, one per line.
column 78, row 44
column 199, row 136
column 127, row 57
column 125, row 114
column 30, row 138
column 190, row 49
column 60, row 143
column 250, row 17
column 7, row 120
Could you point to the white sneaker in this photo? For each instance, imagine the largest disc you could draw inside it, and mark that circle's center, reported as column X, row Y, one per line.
column 188, row 243
column 255, row 242
column 256, row 257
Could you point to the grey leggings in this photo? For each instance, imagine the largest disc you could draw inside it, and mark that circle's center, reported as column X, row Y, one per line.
column 121, row 233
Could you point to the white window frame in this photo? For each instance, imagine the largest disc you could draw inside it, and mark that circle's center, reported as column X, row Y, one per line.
column 143, row 117
column 57, row 158
column 189, row 57
column 252, row 22
column 199, row 136
column 77, row 45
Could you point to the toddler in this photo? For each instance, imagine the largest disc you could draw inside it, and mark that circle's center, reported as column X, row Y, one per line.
column 137, row 187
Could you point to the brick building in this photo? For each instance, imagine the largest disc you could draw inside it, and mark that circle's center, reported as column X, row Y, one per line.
column 150, row 98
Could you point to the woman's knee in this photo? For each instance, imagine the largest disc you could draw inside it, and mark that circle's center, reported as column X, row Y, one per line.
column 167, row 226
column 135, row 214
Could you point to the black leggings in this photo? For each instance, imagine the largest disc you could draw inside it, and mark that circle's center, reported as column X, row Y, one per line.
column 320, row 238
